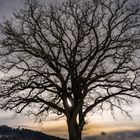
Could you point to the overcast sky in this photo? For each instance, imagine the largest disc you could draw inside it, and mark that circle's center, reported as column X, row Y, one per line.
column 7, row 7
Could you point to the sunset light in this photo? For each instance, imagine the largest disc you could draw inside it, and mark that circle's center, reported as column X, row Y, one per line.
column 70, row 69
column 69, row 102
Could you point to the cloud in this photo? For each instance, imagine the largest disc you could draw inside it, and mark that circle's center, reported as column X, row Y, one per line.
column 12, row 119
column 7, row 7
column 6, row 115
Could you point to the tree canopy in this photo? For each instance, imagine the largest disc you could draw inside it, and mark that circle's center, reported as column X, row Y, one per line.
column 71, row 58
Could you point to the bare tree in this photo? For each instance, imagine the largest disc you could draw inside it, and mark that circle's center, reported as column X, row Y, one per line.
column 71, row 58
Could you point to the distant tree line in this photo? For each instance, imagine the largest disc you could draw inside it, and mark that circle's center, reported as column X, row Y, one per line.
column 120, row 135
column 8, row 133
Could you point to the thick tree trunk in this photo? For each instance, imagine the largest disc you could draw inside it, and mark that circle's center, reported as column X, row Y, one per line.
column 74, row 132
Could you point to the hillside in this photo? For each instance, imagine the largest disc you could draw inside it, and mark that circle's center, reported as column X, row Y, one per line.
column 124, row 135
column 8, row 133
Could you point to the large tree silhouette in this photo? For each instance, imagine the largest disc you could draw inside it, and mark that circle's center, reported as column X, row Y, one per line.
column 71, row 58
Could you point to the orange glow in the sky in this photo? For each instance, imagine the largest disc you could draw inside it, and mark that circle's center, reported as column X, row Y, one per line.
column 59, row 128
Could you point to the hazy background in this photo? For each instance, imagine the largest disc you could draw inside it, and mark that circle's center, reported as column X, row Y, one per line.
column 97, row 123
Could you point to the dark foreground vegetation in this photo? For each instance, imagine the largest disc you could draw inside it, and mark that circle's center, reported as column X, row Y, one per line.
column 8, row 133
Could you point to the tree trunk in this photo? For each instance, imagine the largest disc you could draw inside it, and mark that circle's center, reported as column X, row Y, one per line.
column 74, row 132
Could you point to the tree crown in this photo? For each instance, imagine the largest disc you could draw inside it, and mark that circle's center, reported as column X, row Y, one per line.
column 71, row 58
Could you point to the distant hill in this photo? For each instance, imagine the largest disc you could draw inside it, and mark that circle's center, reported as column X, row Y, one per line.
column 8, row 133
column 122, row 135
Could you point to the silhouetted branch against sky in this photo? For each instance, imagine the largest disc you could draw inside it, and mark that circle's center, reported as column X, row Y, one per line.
column 71, row 58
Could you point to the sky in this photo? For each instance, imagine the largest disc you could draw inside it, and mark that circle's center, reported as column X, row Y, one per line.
column 96, row 123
